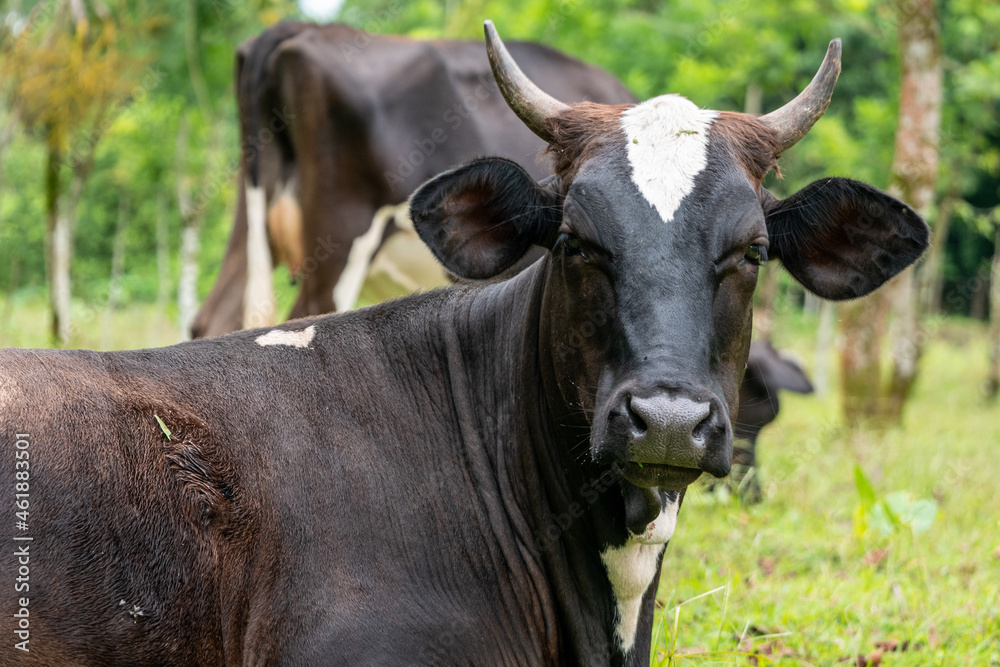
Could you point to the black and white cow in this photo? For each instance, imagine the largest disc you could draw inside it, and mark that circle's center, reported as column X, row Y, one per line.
column 484, row 474
column 337, row 127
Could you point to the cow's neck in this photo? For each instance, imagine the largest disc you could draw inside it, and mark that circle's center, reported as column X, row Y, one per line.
column 570, row 520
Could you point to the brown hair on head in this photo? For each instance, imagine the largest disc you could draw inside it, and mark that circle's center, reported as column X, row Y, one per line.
column 584, row 129
column 750, row 142
column 580, row 131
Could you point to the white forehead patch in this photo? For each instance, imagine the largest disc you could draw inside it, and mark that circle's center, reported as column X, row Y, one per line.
column 667, row 145
column 632, row 567
column 293, row 338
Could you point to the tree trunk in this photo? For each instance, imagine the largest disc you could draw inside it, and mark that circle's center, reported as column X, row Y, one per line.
column 811, row 304
column 12, row 283
column 914, row 178
column 187, row 287
column 162, row 254
column 993, row 382
column 907, row 344
column 192, row 214
column 824, row 343
column 117, row 269
column 864, row 323
column 6, row 137
column 57, row 249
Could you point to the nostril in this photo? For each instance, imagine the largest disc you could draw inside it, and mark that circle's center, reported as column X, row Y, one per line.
column 701, row 431
column 638, row 423
column 670, row 418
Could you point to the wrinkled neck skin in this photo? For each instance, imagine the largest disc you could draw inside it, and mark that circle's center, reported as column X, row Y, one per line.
column 577, row 526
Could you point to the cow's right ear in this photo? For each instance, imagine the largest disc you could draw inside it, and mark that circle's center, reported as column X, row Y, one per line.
column 480, row 218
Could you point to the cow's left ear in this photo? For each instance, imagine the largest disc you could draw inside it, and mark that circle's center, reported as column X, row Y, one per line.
column 843, row 239
column 480, row 218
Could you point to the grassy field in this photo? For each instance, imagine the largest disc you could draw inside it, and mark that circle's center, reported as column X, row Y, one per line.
column 821, row 572
column 24, row 318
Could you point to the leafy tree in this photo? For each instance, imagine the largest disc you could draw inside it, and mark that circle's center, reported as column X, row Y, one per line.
column 69, row 77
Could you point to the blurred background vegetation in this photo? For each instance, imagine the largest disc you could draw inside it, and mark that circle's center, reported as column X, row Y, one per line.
column 118, row 130
column 137, row 101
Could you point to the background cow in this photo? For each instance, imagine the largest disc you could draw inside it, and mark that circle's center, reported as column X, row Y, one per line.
column 484, row 472
column 337, row 124
column 768, row 372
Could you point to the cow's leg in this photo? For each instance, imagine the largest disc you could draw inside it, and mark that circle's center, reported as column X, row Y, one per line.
column 284, row 228
column 359, row 259
column 258, row 297
column 340, row 182
column 329, row 247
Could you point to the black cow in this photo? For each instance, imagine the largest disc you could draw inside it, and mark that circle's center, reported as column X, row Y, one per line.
column 485, row 473
column 336, row 126
column 768, row 372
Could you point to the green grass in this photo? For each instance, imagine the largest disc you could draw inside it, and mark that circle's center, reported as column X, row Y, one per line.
column 791, row 579
column 24, row 322
column 795, row 571
column 24, row 318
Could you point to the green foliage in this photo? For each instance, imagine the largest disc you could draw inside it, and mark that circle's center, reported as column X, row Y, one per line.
column 866, row 501
column 786, row 579
column 711, row 52
column 69, row 76
column 895, row 511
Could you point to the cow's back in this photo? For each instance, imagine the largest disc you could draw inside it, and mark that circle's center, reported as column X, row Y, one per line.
column 428, row 105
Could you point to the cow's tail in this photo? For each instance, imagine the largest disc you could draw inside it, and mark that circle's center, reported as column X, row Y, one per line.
column 258, row 296
column 251, row 82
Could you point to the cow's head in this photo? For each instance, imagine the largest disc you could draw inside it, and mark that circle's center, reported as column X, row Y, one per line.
column 656, row 222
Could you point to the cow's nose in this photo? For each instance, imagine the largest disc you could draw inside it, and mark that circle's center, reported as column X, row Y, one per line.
column 678, row 431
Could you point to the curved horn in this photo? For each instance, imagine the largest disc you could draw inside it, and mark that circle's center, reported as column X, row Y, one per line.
column 791, row 122
column 531, row 104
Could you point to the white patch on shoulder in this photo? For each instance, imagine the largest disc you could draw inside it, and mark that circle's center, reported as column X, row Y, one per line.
column 632, row 567
column 667, row 146
column 293, row 338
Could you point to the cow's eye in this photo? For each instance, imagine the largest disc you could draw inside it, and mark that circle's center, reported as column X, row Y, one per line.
column 571, row 245
column 756, row 254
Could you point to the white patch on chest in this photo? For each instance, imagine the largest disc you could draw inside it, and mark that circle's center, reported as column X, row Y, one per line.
column 293, row 338
column 667, row 146
column 631, row 568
